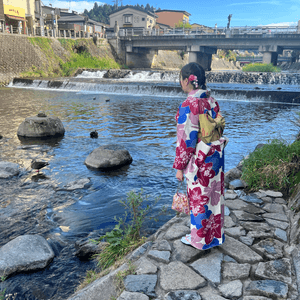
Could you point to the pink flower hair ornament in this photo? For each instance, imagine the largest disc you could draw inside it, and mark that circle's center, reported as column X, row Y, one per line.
column 194, row 79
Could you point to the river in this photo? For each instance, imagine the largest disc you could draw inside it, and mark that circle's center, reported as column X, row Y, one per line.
column 138, row 113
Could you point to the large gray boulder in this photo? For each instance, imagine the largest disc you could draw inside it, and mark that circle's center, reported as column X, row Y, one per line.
column 8, row 169
column 108, row 157
column 41, row 126
column 25, row 253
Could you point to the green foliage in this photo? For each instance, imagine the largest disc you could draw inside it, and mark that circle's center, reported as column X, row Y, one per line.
column 100, row 13
column 274, row 166
column 261, row 68
column 126, row 235
column 181, row 24
column 227, row 55
column 2, row 294
column 58, row 67
column 85, row 60
column 131, row 270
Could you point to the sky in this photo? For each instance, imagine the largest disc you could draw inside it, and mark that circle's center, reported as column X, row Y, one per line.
column 209, row 13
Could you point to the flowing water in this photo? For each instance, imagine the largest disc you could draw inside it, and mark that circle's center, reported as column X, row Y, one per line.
column 140, row 116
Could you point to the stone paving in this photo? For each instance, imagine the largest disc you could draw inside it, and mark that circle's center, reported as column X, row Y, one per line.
column 256, row 262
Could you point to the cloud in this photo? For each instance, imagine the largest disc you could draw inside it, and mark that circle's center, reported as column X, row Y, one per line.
column 271, row 2
column 78, row 6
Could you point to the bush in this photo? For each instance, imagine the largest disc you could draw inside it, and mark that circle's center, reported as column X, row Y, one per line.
column 261, row 68
column 274, row 166
column 126, row 236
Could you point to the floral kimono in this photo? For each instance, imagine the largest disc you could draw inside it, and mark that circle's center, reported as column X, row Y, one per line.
column 200, row 154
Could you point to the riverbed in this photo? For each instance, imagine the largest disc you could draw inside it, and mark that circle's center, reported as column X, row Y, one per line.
column 143, row 122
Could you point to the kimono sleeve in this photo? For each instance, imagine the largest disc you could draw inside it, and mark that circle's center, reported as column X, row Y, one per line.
column 187, row 136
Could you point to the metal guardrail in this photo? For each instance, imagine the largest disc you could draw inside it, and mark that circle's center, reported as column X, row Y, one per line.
column 266, row 31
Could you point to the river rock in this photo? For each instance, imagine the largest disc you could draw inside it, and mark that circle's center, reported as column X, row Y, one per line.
column 185, row 253
column 41, row 127
column 276, row 223
column 8, row 169
column 183, row 295
column 279, row 270
column 274, row 208
column 132, row 296
column 161, row 256
column 281, row 235
column 141, row 284
column 252, row 198
column 25, row 253
column 232, row 289
column 177, row 276
column 270, row 248
column 85, row 248
column 242, row 205
column 83, row 183
column 233, row 271
column 228, row 222
column 244, row 216
column 239, row 251
column 144, row 266
column 272, row 193
column 162, row 245
column 108, row 157
column 237, row 184
column 232, row 174
column 235, row 231
column 276, row 216
column 176, row 231
column 269, row 288
column 210, row 266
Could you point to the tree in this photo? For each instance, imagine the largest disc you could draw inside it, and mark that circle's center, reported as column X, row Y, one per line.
column 181, row 24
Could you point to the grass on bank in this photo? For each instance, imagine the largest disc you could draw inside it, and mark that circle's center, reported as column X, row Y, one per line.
column 257, row 67
column 2, row 294
column 274, row 166
column 57, row 67
column 126, row 236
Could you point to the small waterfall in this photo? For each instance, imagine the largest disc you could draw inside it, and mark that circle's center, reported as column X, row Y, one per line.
column 89, row 74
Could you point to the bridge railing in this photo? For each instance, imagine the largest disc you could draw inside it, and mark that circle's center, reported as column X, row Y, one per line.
column 266, row 31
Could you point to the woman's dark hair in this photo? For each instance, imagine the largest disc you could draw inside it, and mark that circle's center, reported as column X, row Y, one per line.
column 194, row 69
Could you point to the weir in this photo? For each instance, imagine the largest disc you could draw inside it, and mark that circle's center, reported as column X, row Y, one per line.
column 159, row 84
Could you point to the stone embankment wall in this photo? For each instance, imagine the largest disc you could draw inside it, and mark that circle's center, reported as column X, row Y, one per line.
column 19, row 54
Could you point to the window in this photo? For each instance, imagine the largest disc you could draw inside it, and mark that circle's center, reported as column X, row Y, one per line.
column 143, row 19
column 150, row 21
column 128, row 19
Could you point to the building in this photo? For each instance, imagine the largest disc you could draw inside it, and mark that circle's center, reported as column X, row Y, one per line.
column 132, row 17
column 201, row 28
column 172, row 17
column 78, row 24
column 14, row 15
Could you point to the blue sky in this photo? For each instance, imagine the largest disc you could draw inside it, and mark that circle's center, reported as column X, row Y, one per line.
column 250, row 13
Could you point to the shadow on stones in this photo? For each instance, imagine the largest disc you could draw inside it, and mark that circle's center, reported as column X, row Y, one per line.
column 49, row 141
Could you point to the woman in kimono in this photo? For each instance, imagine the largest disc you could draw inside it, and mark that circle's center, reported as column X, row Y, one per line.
column 200, row 157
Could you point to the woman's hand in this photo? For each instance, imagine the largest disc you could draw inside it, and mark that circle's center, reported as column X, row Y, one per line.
column 179, row 175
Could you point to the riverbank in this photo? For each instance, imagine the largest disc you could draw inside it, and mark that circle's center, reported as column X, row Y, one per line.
column 258, row 260
column 24, row 56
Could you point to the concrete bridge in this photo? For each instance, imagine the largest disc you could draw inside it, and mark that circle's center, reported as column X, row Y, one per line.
column 138, row 49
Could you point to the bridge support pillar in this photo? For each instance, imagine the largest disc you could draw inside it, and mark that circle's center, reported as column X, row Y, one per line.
column 270, row 53
column 139, row 57
column 270, row 58
column 202, row 58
